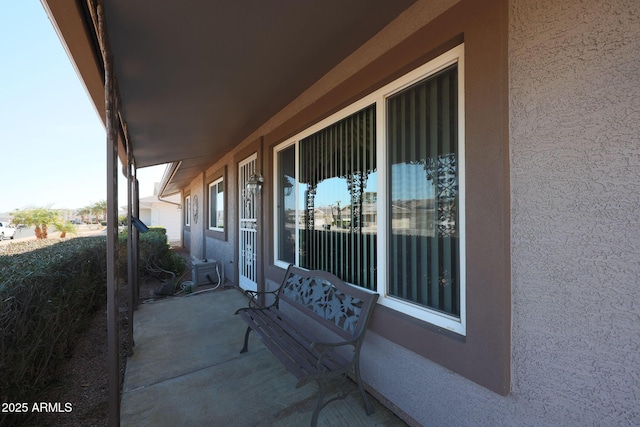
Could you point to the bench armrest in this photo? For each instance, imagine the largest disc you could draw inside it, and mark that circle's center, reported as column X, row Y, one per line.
column 326, row 347
column 253, row 298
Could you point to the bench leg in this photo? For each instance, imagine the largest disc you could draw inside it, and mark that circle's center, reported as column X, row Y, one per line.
column 367, row 404
column 246, row 340
column 322, row 391
column 319, row 405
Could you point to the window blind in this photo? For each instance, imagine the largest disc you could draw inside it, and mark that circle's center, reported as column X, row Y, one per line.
column 423, row 247
column 338, row 182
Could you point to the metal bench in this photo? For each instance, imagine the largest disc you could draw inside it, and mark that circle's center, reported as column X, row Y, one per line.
column 342, row 309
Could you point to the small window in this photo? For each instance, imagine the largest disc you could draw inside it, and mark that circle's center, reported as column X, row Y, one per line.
column 216, row 205
column 286, row 205
column 187, row 211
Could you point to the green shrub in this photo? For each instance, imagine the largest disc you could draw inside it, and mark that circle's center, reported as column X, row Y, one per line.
column 154, row 251
column 157, row 229
column 48, row 291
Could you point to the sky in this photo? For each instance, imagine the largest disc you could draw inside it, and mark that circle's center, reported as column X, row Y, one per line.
column 52, row 141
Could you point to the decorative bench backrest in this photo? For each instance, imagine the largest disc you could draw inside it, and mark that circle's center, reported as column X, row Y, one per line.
column 325, row 297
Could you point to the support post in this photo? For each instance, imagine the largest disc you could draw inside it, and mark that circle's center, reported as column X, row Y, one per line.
column 135, row 259
column 113, row 332
column 131, row 230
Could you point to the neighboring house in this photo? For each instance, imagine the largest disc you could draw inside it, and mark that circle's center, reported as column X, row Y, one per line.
column 165, row 213
column 501, row 139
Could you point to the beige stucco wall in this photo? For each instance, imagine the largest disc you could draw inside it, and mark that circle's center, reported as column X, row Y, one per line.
column 575, row 193
column 198, row 222
column 223, row 249
column 575, row 176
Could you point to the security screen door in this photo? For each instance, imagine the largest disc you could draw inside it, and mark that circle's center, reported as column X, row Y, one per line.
column 248, row 226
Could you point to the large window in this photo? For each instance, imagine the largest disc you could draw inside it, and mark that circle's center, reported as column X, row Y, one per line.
column 336, row 217
column 338, row 180
column 423, row 238
column 375, row 194
column 216, row 205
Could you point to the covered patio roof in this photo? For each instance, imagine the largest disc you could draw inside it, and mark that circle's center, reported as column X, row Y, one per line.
column 198, row 77
column 184, row 83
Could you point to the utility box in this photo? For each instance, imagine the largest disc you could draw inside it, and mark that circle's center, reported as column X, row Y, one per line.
column 207, row 272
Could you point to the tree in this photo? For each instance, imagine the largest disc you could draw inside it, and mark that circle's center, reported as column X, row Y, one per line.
column 41, row 218
column 84, row 212
column 100, row 208
column 64, row 227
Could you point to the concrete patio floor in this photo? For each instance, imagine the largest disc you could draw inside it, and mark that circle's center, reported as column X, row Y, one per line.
column 187, row 371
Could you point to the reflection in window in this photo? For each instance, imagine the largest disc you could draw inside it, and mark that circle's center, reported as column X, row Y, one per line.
column 216, row 205
column 338, row 189
column 187, row 211
column 286, row 203
column 422, row 126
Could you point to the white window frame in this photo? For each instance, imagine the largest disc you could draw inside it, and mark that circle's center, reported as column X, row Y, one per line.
column 187, row 212
column 379, row 97
column 276, row 185
column 213, row 215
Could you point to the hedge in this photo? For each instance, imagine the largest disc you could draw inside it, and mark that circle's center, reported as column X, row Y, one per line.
column 47, row 292
column 154, row 251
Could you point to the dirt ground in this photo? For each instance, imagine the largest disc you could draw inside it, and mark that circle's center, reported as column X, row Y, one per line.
column 83, row 382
